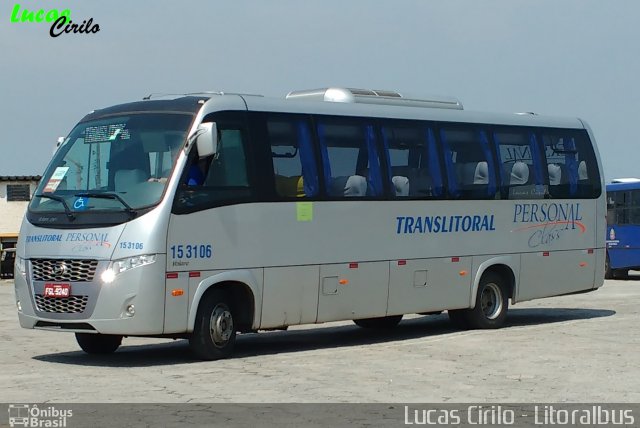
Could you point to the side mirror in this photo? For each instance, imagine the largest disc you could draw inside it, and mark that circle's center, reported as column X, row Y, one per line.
column 206, row 138
column 58, row 144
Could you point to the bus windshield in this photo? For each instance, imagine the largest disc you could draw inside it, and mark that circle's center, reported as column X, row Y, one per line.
column 119, row 163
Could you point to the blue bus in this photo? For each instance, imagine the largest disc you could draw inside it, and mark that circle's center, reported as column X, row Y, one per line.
column 623, row 228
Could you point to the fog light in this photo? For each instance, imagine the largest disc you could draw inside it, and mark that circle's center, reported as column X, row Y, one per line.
column 18, row 305
column 131, row 310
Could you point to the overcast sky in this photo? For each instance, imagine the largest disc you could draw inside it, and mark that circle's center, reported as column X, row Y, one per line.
column 569, row 58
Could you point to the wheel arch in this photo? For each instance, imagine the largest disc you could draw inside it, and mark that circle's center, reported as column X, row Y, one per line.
column 507, row 267
column 243, row 289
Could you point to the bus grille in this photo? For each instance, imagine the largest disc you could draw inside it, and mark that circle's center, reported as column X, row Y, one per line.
column 64, row 270
column 65, row 305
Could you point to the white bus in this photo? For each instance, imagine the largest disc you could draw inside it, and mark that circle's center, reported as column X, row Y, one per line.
column 211, row 214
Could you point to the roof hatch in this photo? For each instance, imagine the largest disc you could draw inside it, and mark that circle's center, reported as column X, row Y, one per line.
column 370, row 96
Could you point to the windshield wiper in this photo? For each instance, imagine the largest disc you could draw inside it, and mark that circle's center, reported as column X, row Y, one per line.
column 71, row 216
column 107, row 195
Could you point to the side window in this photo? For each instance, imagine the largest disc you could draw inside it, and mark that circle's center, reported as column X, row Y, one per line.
column 571, row 165
column 292, row 154
column 412, row 157
column 469, row 162
column 634, row 207
column 351, row 166
column 228, row 167
column 222, row 178
column 520, row 165
column 611, row 208
column 622, row 207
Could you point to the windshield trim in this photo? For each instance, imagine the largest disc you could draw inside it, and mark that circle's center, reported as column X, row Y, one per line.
column 94, row 116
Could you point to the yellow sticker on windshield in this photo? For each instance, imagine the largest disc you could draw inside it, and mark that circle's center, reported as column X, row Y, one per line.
column 304, row 211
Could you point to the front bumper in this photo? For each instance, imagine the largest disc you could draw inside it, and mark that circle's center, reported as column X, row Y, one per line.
column 97, row 307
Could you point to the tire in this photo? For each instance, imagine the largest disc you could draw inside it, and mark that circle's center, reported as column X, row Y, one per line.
column 458, row 318
column 214, row 332
column 608, row 272
column 621, row 274
column 490, row 310
column 381, row 323
column 98, row 343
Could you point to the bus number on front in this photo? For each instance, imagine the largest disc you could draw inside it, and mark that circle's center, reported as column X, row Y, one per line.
column 188, row 251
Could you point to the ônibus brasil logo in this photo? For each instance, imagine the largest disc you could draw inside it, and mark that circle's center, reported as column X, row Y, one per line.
column 60, row 20
column 30, row 415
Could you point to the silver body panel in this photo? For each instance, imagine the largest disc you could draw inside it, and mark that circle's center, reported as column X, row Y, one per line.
column 105, row 310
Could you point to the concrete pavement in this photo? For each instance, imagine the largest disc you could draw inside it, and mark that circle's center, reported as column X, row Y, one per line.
column 580, row 348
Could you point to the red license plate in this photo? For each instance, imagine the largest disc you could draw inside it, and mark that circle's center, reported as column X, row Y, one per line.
column 57, row 290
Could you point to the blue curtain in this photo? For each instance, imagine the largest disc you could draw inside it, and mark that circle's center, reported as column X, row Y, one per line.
column 571, row 163
column 486, row 149
column 385, row 144
column 434, row 164
column 325, row 157
column 448, row 161
column 504, row 179
column 537, row 159
column 307, row 160
column 375, row 173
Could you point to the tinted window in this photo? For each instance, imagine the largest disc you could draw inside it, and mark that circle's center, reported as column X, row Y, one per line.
column 612, row 207
column 571, row 165
column 520, row 164
column 351, row 166
column 292, row 155
column 623, row 207
column 228, row 167
column 469, row 162
column 412, row 156
column 219, row 179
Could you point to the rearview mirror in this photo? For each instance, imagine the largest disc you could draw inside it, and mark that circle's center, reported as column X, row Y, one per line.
column 206, row 138
column 59, row 142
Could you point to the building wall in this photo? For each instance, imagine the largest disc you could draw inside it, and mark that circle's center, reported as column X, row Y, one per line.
column 11, row 213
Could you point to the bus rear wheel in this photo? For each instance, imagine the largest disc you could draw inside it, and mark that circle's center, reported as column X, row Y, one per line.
column 383, row 322
column 492, row 303
column 214, row 332
column 98, row 343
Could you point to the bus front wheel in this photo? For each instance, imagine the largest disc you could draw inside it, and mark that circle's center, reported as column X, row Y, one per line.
column 492, row 303
column 98, row 343
column 214, row 332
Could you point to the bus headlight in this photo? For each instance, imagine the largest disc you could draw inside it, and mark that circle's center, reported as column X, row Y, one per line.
column 116, row 267
column 21, row 266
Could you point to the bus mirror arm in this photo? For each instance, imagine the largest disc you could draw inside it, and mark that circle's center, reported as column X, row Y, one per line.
column 206, row 139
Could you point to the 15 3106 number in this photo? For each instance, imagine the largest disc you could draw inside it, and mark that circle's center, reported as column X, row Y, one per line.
column 188, row 251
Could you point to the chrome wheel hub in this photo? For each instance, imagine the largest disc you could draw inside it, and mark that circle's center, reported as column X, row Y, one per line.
column 221, row 325
column 491, row 301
